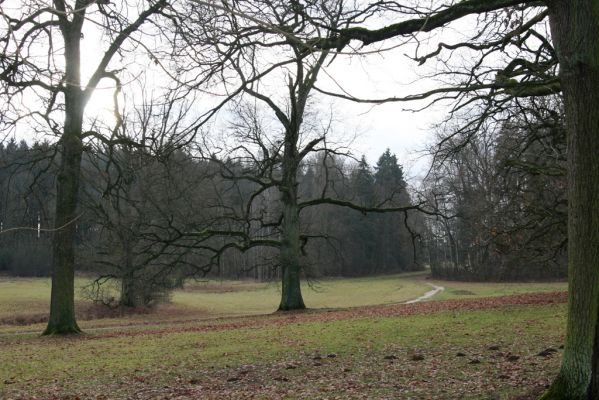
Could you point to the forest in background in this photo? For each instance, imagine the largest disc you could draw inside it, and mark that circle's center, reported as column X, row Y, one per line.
column 135, row 208
column 496, row 211
column 506, row 189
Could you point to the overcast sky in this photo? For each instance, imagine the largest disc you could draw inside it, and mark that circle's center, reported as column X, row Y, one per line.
column 376, row 75
column 382, row 126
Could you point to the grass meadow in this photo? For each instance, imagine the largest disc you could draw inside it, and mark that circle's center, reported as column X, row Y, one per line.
column 221, row 340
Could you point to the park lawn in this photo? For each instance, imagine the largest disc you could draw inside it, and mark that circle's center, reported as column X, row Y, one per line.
column 490, row 353
column 24, row 303
column 23, row 296
column 248, row 298
column 463, row 290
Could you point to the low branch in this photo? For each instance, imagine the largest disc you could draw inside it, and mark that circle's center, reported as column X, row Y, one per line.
column 409, row 27
column 365, row 210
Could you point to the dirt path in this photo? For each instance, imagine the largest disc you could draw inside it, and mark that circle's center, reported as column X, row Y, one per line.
column 427, row 295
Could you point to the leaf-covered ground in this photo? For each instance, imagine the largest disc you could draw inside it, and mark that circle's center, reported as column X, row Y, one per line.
column 494, row 348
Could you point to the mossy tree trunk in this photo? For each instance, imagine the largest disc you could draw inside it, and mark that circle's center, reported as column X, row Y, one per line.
column 62, row 302
column 575, row 31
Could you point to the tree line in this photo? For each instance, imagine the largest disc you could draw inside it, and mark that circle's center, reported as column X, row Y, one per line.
column 124, row 230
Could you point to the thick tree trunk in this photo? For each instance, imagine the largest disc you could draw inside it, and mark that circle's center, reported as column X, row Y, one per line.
column 290, row 251
column 575, row 30
column 129, row 292
column 291, row 295
column 62, row 301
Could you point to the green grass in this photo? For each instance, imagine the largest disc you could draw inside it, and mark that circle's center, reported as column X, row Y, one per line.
column 121, row 366
column 455, row 290
column 238, row 298
column 19, row 295
column 239, row 362
column 24, row 303
column 30, row 297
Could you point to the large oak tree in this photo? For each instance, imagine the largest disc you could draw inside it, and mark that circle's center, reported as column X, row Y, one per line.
column 40, row 64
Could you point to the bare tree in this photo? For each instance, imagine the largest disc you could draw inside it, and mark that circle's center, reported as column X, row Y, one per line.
column 41, row 62
column 253, row 46
column 507, row 187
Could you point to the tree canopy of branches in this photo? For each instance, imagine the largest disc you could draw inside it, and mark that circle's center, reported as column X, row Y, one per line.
column 249, row 46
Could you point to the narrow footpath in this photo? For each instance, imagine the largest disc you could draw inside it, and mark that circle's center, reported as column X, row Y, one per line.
column 427, row 295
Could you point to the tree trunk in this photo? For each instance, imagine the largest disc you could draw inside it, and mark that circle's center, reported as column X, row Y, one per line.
column 130, row 293
column 291, row 293
column 62, row 301
column 575, row 30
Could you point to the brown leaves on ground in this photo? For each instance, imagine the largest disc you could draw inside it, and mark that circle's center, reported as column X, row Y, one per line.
column 362, row 376
column 294, row 317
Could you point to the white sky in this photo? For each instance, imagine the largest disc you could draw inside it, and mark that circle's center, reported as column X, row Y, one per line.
column 389, row 125
column 375, row 127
